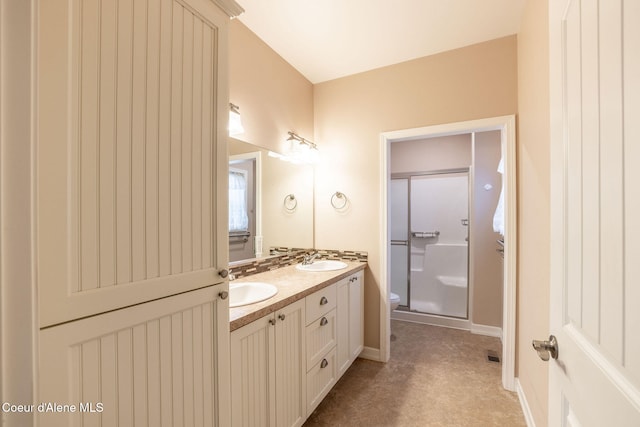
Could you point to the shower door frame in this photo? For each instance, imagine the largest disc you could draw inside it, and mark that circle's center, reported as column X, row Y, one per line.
column 408, row 175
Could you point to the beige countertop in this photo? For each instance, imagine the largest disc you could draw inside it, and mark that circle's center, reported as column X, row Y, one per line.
column 292, row 285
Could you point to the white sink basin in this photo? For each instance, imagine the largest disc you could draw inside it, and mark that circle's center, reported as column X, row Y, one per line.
column 323, row 265
column 250, row 292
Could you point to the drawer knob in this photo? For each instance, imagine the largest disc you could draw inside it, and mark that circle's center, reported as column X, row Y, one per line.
column 281, row 316
column 324, row 363
column 323, row 321
column 324, row 301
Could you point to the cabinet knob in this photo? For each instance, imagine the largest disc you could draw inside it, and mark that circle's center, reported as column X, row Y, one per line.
column 323, row 321
column 223, row 273
column 272, row 322
column 281, row 316
column 324, row 301
column 223, row 295
column 324, row 363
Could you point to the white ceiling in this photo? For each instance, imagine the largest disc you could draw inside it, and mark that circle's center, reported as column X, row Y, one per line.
column 327, row 39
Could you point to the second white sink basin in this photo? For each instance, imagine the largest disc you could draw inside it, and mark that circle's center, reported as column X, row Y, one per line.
column 250, row 292
column 323, row 265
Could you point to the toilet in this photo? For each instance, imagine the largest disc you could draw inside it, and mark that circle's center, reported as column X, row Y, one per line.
column 394, row 299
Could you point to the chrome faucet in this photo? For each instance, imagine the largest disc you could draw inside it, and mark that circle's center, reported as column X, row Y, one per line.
column 309, row 258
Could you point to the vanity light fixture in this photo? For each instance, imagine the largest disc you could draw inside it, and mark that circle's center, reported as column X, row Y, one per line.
column 304, row 142
column 301, row 150
column 235, row 123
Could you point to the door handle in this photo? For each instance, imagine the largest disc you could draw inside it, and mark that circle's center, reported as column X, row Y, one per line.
column 546, row 348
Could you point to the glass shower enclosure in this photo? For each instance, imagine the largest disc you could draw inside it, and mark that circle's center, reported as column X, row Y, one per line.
column 429, row 231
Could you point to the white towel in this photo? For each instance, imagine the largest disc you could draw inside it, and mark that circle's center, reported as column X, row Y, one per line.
column 498, row 216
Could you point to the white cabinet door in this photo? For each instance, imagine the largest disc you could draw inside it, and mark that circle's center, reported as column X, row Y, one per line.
column 131, row 152
column 253, row 388
column 350, row 321
column 153, row 364
column 290, row 365
column 268, row 370
column 356, row 315
column 343, row 358
column 595, row 206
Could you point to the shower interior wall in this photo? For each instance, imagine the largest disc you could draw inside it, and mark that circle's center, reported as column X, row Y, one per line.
column 460, row 151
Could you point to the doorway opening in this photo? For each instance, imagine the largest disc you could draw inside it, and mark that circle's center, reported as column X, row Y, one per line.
column 506, row 127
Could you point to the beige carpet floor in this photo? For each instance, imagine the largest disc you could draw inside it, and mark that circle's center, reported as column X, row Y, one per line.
column 436, row 377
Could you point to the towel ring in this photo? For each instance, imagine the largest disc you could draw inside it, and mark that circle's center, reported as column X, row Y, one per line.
column 290, row 202
column 335, row 200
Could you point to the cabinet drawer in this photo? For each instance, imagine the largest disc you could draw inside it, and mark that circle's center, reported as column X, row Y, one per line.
column 320, row 303
column 321, row 337
column 320, row 379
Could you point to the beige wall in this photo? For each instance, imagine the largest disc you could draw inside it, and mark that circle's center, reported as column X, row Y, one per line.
column 474, row 82
column 486, row 265
column 17, row 307
column 273, row 97
column 429, row 154
column 533, row 204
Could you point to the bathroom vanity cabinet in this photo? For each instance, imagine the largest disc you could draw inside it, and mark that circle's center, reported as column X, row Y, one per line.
column 285, row 363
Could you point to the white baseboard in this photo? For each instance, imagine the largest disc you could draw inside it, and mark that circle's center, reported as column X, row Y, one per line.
column 491, row 331
column 371, row 353
column 528, row 417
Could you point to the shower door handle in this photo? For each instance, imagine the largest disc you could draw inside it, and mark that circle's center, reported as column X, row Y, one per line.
column 399, row 242
column 425, row 234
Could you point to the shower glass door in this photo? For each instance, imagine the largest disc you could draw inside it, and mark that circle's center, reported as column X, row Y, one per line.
column 399, row 231
column 439, row 224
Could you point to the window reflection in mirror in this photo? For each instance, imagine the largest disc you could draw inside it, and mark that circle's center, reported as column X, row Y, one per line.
column 271, row 220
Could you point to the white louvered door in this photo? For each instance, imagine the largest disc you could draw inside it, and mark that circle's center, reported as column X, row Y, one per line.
column 595, row 275
column 131, row 155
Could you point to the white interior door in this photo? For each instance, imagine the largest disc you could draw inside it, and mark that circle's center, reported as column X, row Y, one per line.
column 595, row 251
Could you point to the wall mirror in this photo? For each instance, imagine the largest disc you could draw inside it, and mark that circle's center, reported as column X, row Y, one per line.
column 270, row 202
